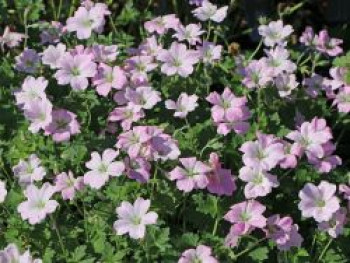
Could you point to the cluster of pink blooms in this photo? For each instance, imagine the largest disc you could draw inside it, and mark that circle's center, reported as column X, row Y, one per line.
column 11, row 254
column 322, row 42
column 229, row 113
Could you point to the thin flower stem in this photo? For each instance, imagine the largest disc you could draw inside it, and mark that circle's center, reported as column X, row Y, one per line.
column 250, row 248
column 53, row 9
column 325, row 249
column 209, row 31
column 256, row 50
column 53, row 220
column 59, row 10
column 111, row 21
column 216, row 223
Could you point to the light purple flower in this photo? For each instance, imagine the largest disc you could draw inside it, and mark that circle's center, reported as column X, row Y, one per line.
column 266, row 152
column 53, row 54
column 246, row 216
column 144, row 96
column 11, row 254
column 108, row 78
column 178, row 60
column 150, row 47
column 259, row 182
column 220, row 180
column 208, row 11
column 133, row 218
column 285, row 84
column 11, row 39
column 29, row 171
column 3, row 191
column 138, row 169
column 75, row 70
column 184, row 105
column 209, row 52
column 335, row 226
column 102, row 167
column 52, row 33
column 283, row 232
column 326, row 163
column 314, row 85
column 196, row 2
column 200, row 254
column 38, row 204
column 191, row 176
column 235, row 119
column 126, row 115
column 275, row 33
column 104, row 54
column 326, row 44
column 39, row 114
column 342, row 99
column 257, row 74
column 308, row 37
column 191, row 33
column 319, row 201
column 139, row 66
column 67, row 185
column 278, row 60
column 28, row 61
column 32, row 89
column 161, row 24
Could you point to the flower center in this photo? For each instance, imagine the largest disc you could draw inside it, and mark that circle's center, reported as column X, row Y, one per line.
column 245, row 216
column 103, row 168
column 320, row 203
column 40, row 204
column 75, row 71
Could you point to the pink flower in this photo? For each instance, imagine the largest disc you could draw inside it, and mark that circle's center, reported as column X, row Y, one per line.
column 314, row 85
column 150, row 47
column 67, row 185
column 335, row 226
column 161, row 24
column 104, row 54
column 285, row 84
column 278, row 61
column 283, row 232
column 257, row 74
column 52, row 33
column 178, row 60
column 259, row 182
column 275, row 33
column 199, row 254
column 29, row 171
column 221, row 181
column 184, row 104
column 38, row 204
column 102, row 167
column 138, row 169
column 308, row 37
column 28, row 61
column 11, row 254
column 266, row 152
column 246, row 216
column 75, row 70
column 327, row 162
column 139, row 66
column 39, row 114
column 33, row 89
column 87, row 20
column 192, row 176
column 345, row 190
column 290, row 159
column 209, row 52
column 319, row 201
column 53, row 54
column 208, row 11
column 126, row 115
column 310, row 137
column 342, row 99
column 325, row 44
column 191, row 33
column 108, row 78
column 144, row 96
column 64, row 124
column 3, row 192
column 133, row 218
column 11, row 39
column 235, row 119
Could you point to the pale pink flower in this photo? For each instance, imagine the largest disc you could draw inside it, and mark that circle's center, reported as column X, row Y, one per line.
column 342, row 99
column 308, row 37
column 29, row 171
column 185, row 104
column 235, row 119
column 53, row 54
column 200, row 254
column 107, row 78
column 221, row 181
column 104, row 54
column 285, row 84
column 133, row 218
column 246, row 216
column 52, row 33
column 68, row 185
column 314, row 85
column 11, row 254
column 319, row 201
column 11, row 39
column 178, row 60
column 75, row 70
column 38, row 204
column 191, row 33
column 126, row 115
column 191, row 176
column 161, row 24
column 64, row 124
column 209, row 52
column 275, row 33
column 138, row 169
column 335, row 226
column 208, row 11
column 278, row 61
column 144, row 96
column 326, row 44
column 259, row 182
column 328, row 161
column 102, row 167
column 3, row 191
column 39, row 114
column 32, row 89
column 139, row 66
column 257, row 74
column 150, row 47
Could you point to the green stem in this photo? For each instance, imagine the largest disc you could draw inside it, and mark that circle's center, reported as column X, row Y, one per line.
column 53, row 10
column 325, row 250
column 256, row 50
column 250, row 248
column 209, row 30
column 59, row 10
column 53, row 220
column 111, row 21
